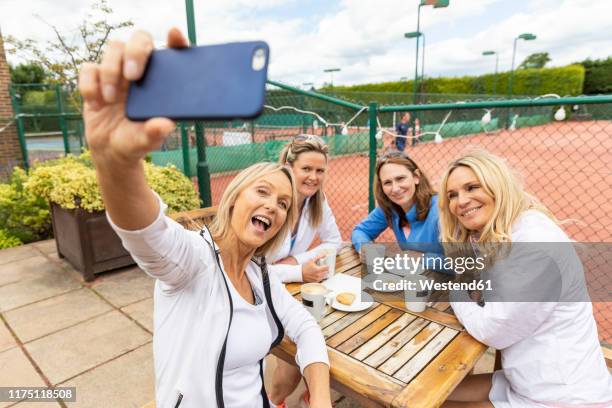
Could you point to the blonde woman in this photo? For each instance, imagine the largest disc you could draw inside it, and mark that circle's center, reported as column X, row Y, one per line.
column 295, row 261
column 217, row 313
column 550, row 352
column 306, row 156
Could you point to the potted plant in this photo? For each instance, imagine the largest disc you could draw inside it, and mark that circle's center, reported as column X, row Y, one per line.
column 82, row 233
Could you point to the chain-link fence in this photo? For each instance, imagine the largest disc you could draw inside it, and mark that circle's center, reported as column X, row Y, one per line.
column 562, row 148
column 562, row 151
column 48, row 121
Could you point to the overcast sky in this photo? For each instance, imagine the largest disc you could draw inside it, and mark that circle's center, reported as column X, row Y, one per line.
column 362, row 37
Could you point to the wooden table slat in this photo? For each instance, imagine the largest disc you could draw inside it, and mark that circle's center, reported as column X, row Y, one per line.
column 357, row 326
column 383, row 337
column 370, row 331
column 332, row 317
column 345, row 321
column 341, row 267
column 429, row 352
column 396, row 343
column 443, row 374
column 347, row 374
column 397, row 360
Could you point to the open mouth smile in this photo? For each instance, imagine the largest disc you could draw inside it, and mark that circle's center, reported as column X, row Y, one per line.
column 261, row 223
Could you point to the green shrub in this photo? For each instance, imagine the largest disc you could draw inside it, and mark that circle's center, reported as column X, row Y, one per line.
column 568, row 80
column 598, row 76
column 71, row 182
column 7, row 240
column 24, row 216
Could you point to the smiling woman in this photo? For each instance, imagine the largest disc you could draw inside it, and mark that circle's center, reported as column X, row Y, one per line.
column 549, row 346
column 217, row 311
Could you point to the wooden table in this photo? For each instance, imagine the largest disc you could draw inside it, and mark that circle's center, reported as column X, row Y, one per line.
column 387, row 356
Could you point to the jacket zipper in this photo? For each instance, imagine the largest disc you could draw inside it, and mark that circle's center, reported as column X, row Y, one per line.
column 178, row 401
column 221, row 360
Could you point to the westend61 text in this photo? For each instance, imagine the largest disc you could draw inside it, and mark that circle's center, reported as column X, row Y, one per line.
column 430, row 285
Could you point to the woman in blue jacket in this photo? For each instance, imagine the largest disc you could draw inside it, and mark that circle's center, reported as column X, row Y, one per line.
column 406, row 203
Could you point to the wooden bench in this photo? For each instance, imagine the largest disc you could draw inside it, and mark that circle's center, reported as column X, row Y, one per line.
column 195, row 219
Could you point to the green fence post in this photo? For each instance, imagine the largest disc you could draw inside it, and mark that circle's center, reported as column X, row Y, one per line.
column 202, row 167
column 62, row 119
column 372, row 111
column 20, row 129
column 185, row 148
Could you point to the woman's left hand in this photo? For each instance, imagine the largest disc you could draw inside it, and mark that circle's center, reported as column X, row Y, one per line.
column 287, row 261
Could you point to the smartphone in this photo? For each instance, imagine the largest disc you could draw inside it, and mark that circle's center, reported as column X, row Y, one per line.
column 212, row 82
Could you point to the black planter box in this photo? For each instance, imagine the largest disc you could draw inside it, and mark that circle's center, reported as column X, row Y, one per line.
column 87, row 241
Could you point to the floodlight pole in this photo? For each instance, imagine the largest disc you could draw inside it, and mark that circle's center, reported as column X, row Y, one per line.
column 202, row 168
column 416, row 58
column 486, row 53
column 526, row 37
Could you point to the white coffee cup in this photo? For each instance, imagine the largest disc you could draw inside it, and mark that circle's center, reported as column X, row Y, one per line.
column 329, row 260
column 417, row 296
column 372, row 251
column 314, row 299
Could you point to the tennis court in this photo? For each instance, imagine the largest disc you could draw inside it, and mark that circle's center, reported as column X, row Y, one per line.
column 567, row 165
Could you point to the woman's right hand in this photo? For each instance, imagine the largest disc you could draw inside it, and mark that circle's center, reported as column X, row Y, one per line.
column 312, row 272
column 112, row 138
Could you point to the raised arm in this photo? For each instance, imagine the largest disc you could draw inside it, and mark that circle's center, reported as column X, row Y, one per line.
column 161, row 247
column 118, row 145
column 369, row 229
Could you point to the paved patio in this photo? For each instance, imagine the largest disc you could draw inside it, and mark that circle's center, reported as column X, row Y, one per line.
column 57, row 330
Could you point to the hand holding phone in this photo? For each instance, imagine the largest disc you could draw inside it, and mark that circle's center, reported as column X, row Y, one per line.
column 111, row 137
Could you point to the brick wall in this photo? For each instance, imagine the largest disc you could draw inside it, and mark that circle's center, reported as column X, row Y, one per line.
column 10, row 153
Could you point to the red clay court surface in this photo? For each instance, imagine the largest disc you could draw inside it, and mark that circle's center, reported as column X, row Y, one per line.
column 568, row 166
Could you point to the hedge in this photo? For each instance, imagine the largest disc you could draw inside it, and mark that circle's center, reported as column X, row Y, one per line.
column 563, row 81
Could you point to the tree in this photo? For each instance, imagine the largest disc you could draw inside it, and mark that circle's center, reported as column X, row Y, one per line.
column 28, row 73
column 64, row 55
column 537, row 60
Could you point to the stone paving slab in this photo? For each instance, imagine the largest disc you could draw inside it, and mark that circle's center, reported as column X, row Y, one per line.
column 123, row 287
column 53, row 283
column 7, row 340
column 128, row 381
column 17, row 253
column 33, row 267
column 17, row 371
column 47, row 316
column 72, row 351
column 46, row 247
column 142, row 312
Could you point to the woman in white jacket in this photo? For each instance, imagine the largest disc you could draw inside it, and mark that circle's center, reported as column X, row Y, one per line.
column 307, row 157
column 295, row 261
column 538, row 314
column 217, row 313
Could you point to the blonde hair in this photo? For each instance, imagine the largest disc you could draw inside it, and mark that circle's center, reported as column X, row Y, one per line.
column 290, row 153
column 220, row 226
column 510, row 199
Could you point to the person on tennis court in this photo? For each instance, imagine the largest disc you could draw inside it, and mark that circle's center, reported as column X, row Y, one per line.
column 402, row 129
column 217, row 310
column 295, row 260
column 549, row 345
column 407, row 204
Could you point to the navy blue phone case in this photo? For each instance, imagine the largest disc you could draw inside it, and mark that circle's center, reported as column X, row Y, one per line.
column 213, row 82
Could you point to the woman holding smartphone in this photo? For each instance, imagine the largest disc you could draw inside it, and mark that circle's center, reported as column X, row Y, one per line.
column 306, row 156
column 406, row 203
column 547, row 337
column 217, row 312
